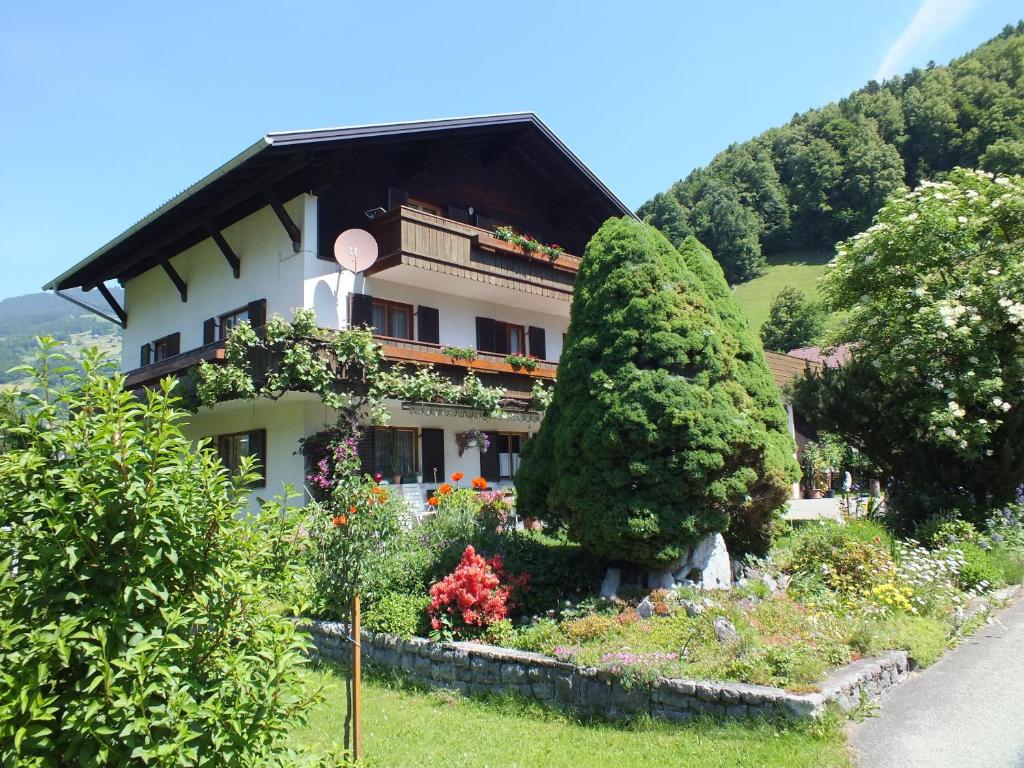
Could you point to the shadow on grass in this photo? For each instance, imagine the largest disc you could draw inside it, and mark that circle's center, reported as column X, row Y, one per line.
column 800, row 256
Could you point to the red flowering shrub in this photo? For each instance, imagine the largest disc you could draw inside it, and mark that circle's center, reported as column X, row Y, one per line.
column 469, row 599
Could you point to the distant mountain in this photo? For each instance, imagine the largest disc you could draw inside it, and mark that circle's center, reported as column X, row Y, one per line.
column 23, row 318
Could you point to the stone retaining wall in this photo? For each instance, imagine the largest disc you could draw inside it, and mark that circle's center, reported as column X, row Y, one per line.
column 472, row 668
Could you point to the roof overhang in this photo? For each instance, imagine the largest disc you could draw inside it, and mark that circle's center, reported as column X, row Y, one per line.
column 280, row 164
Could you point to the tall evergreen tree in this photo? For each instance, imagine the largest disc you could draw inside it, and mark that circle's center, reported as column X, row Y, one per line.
column 665, row 424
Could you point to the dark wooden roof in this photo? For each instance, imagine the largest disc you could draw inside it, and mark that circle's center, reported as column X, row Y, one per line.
column 785, row 369
column 286, row 164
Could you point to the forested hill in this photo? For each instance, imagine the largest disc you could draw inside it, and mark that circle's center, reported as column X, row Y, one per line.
column 23, row 318
column 823, row 175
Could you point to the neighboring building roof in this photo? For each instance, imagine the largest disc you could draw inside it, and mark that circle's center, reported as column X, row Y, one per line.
column 832, row 358
column 786, row 368
column 283, row 163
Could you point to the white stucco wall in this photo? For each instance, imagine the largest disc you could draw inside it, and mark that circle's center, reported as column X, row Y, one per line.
column 285, row 422
column 270, row 270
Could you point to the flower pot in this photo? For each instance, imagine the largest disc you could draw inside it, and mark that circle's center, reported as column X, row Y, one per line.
column 396, row 480
column 419, row 479
column 814, row 493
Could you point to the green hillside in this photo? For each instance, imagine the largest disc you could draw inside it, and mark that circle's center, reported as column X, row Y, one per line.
column 23, row 318
column 800, row 269
column 822, row 176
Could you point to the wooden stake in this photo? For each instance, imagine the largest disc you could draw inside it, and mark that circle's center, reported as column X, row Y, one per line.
column 357, row 683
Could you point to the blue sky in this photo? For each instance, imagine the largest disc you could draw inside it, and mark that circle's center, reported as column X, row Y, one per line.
column 108, row 109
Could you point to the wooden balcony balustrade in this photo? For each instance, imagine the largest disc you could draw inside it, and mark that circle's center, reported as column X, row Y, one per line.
column 410, row 237
column 411, row 351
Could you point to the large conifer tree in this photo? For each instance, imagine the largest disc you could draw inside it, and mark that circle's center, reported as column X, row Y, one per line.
column 665, row 424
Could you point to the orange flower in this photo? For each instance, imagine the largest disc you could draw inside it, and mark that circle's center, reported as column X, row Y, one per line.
column 456, row 476
column 339, row 520
column 433, row 501
column 444, row 489
column 479, row 483
column 352, row 510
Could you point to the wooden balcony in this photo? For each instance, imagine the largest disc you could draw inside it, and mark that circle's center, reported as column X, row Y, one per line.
column 173, row 366
column 409, row 351
column 410, row 239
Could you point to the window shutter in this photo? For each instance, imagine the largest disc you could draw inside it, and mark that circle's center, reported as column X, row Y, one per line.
column 257, row 313
column 501, row 345
column 258, row 448
column 396, row 197
column 210, row 330
column 489, row 469
column 173, row 344
column 146, row 355
column 432, row 456
column 428, row 325
column 486, row 222
column 485, row 334
column 361, row 310
column 538, row 348
column 365, row 447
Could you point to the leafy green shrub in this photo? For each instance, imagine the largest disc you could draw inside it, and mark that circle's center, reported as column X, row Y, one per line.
column 845, row 563
column 136, row 622
column 979, row 570
column 1008, row 563
column 501, row 633
column 665, row 418
column 398, row 614
column 942, row 530
column 589, row 628
column 792, row 322
column 924, row 637
column 542, row 636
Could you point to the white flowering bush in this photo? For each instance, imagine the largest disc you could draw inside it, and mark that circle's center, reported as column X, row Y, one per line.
column 929, row 575
column 934, row 296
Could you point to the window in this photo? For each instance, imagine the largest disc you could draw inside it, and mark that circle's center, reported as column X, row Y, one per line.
column 419, row 205
column 503, row 338
column 391, row 318
column 234, row 447
column 160, row 349
column 501, row 461
column 229, row 320
column 394, row 452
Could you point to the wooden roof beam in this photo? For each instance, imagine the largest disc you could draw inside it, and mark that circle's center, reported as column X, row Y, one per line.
column 118, row 309
column 223, row 205
column 229, row 255
column 286, row 221
column 172, row 273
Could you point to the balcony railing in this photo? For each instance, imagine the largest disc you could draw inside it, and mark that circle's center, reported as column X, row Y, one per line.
column 410, row 237
column 408, row 350
column 174, row 366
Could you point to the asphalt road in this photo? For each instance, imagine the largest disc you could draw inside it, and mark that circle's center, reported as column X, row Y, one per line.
column 965, row 711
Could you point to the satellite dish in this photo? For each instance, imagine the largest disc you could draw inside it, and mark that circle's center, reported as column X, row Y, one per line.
column 355, row 250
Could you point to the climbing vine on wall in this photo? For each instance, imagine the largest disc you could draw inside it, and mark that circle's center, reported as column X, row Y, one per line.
column 344, row 367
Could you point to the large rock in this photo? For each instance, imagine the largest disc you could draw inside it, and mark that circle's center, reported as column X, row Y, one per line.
column 646, row 608
column 725, row 632
column 612, row 580
column 708, row 565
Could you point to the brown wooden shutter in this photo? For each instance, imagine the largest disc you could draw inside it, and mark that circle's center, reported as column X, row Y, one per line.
column 146, row 355
column 500, row 340
column 361, row 310
column 538, row 347
column 486, row 222
column 210, row 330
column 432, row 456
column 485, row 334
column 428, row 325
column 173, row 344
column 365, row 447
column 489, row 469
column 258, row 448
column 257, row 313
column 396, row 197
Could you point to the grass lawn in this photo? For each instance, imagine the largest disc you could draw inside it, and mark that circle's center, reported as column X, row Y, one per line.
column 801, row 269
column 406, row 727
